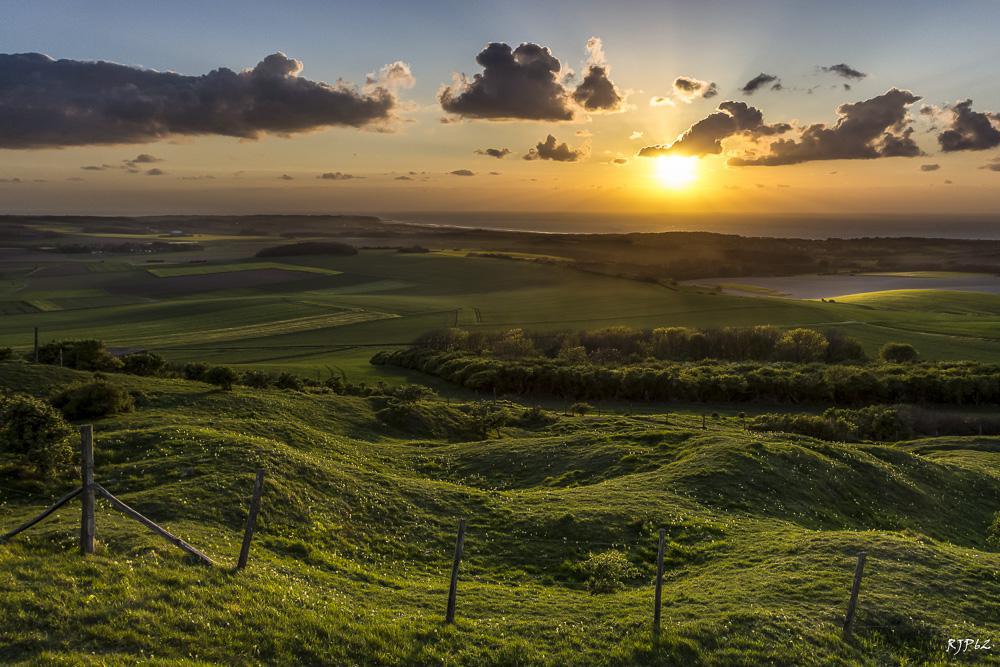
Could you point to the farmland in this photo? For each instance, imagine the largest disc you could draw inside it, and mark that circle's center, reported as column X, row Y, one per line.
column 314, row 313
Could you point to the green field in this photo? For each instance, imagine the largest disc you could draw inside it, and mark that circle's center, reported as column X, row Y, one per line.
column 208, row 269
column 352, row 557
column 340, row 310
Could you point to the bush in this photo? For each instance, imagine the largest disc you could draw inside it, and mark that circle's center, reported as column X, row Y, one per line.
column 93, row 399
column 535, row 418
column 608, row 571
column 195, row 370
column 288, row 381
column 144, row 363
column 898, row 353
column 222, row 377
column 35, row 434
column 6, row 353
column 580, row 408
column 993, row 533
column 258, row 379
column 82, row 355
column 801, row 346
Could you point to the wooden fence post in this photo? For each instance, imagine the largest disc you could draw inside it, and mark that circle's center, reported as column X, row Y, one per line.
column 453, row 589
column 36, row 345
column 258, row 486
column 87, row 525
column 659, row 584
column 852, row 605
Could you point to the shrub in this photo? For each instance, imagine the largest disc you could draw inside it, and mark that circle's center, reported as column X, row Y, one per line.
column 258, row 379
column 195, row 370
column 288, row 381
column 574, row 355
column 513, row 344
column 144, row 363
column 993, row 533
column 535, row 417
column 83, row 355
column 580, row 408
column 412, row 392
column 223, row 377
column 35, row 434
column 898, row 353
column 801, row 346
column 608, row 571
column 93, row 399
column 6, row 353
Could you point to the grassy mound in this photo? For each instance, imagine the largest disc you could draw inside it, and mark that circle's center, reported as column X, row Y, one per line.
column 351, row 562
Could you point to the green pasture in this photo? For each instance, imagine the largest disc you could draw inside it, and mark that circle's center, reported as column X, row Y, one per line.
column 352, row 556
column 352, row 305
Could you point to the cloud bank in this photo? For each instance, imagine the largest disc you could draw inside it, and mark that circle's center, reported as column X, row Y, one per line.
column 47, row 103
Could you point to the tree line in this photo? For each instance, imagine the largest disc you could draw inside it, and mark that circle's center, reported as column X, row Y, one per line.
column 955, row 383
column 622, row 344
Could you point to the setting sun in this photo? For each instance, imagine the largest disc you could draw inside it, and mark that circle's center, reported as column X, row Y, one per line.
column 676, row 172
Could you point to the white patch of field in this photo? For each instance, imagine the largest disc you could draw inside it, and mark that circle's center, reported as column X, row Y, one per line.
column 273, row 328
column 832, row 286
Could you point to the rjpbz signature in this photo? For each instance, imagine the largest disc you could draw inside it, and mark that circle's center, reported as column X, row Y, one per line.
column 958, row 646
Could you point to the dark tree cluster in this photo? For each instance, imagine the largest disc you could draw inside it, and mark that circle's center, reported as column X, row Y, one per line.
column 620, row 344
column 957, row 383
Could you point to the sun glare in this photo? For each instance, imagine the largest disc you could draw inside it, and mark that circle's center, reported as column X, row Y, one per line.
column 676, row 172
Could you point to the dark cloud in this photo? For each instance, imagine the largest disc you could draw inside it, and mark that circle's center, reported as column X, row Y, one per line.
column 992, row 166
column 155, row 172
column 872, row 128
column 337, row 176
column 12, row 181
column 550, row 150
column 46, row 103
column 493, row 152
column 286, row 177
column 403, row 178
column 620, row 161
column 144, row 158
column 463, row 172
column 687, row 88
column 969, row 130
column 845, row 71
column 759, row 81
column 98, row 167
column 515, row 83
column 705, row 137
column 929, row 167
column 524, row 83
column 596, row 92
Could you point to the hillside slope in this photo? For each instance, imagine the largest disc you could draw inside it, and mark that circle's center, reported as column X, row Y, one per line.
column 351, row 562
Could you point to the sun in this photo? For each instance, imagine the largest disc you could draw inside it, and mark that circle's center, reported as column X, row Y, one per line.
column 676, row 172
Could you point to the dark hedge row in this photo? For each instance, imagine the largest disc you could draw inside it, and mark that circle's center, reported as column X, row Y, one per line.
column 955, row 383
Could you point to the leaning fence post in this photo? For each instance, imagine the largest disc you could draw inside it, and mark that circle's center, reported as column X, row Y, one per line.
column 453, row 589
column 852, row 605
column 659, row 584
column 258, row 486
column 87, row 474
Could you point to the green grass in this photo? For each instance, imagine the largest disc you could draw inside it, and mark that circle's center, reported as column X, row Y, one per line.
column 351, row 561
column 297, row 326
column 208, row 269
column 928, row 301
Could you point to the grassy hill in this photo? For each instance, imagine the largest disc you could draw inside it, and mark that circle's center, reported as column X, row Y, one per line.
column 351, row 562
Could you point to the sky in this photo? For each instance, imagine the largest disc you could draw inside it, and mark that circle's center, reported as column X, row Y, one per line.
column 393, row 107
